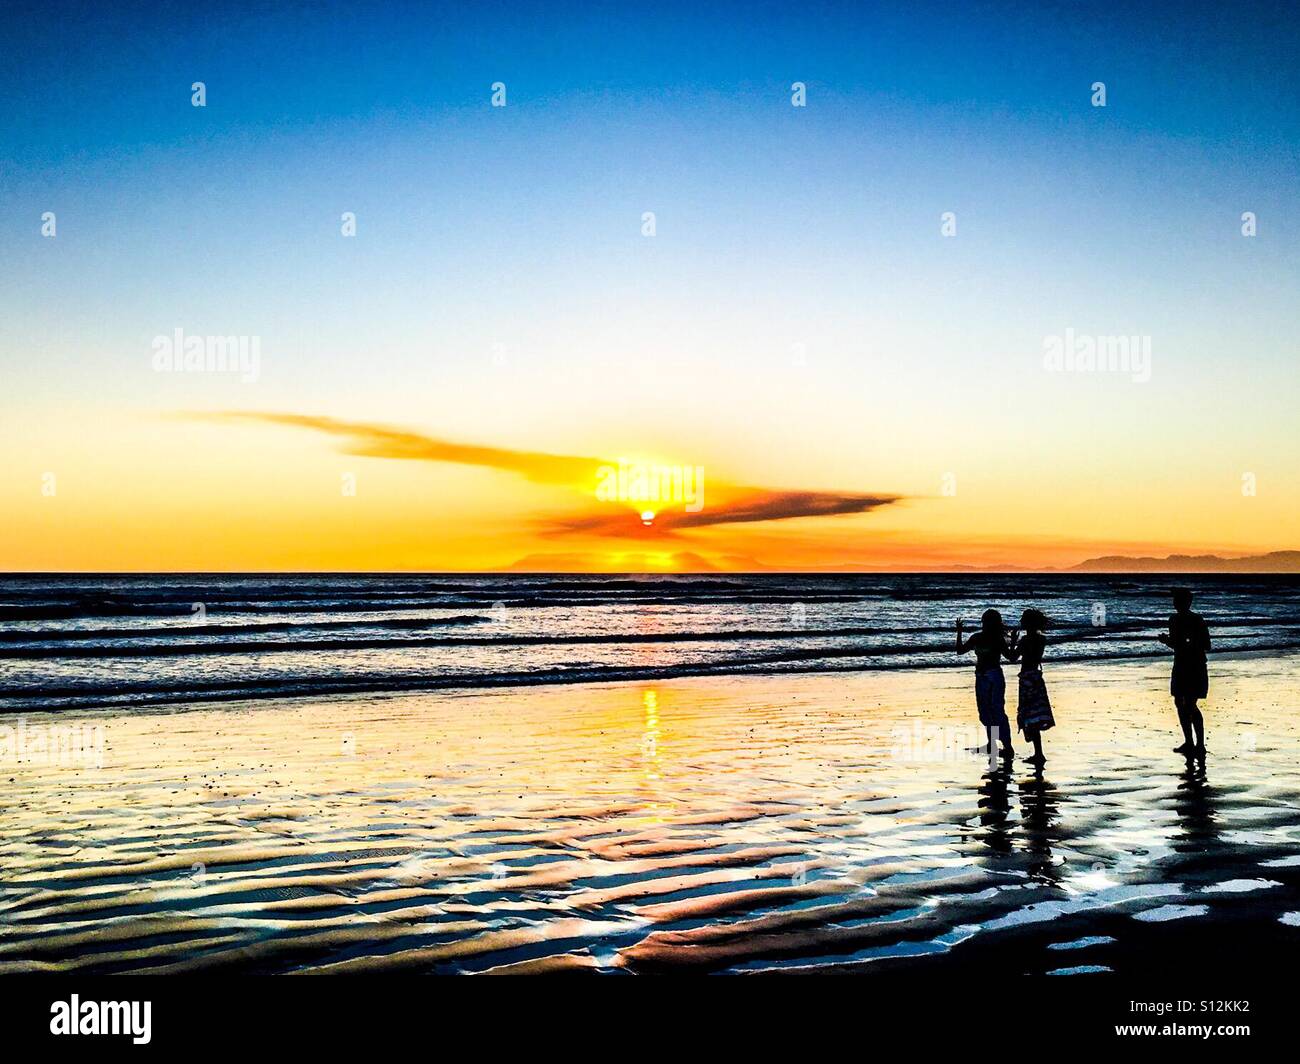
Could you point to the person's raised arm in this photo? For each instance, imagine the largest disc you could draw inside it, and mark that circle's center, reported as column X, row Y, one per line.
column 1012, row 651
column 961, row 648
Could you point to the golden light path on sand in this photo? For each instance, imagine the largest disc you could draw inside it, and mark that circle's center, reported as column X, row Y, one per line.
column 719, row 825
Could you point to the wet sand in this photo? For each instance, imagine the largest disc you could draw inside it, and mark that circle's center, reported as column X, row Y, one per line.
column 798, row 823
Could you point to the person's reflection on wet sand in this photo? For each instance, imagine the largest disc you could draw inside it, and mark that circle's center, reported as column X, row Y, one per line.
column 1194, row 805
column 995, row 807
column 1039, row 819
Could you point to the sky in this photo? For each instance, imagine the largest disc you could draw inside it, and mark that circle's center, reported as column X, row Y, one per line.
column 837, row 319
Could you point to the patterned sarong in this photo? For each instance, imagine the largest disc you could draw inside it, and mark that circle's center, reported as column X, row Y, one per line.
column 1035, row 709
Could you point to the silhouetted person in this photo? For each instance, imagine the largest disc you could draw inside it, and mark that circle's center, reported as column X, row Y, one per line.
column 990, row 645
column 1189, row 639
column 1034, row 709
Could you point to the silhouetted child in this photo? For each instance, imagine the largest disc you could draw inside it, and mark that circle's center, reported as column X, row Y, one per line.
column 990, row 644
column 1189, row 639
column 1034, row 709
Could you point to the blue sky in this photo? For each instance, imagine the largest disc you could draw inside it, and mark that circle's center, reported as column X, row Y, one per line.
column 98, row 77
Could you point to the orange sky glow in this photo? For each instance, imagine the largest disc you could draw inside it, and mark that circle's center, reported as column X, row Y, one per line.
column 252, row 491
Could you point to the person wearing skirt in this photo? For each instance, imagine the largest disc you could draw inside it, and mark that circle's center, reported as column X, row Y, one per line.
column 1034, row 712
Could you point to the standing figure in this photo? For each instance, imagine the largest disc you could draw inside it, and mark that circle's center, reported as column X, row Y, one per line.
column 1189, row 639
column 1034, row 711
column 990, row 645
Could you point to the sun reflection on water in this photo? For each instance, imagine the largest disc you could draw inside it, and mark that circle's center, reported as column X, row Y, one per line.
column 650, row 734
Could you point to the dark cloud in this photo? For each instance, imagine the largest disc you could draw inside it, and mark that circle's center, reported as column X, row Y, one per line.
column 752, row 504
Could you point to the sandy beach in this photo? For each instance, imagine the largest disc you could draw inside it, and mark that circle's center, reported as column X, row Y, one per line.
column 739, row 824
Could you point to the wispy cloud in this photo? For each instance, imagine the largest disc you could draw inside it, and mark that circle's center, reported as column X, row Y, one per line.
column 729, row 503
column 381, row 441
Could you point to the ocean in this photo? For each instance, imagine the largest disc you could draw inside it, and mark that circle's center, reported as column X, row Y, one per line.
column 120, row 640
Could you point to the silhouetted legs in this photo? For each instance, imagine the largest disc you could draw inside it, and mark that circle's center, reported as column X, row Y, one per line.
column 1035, row 736
column 1001, row 733
column 1193, row 725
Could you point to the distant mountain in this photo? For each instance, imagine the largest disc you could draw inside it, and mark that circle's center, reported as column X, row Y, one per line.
column 1278, row 561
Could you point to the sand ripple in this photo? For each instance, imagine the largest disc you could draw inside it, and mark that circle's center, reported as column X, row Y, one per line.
column 767, row 823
